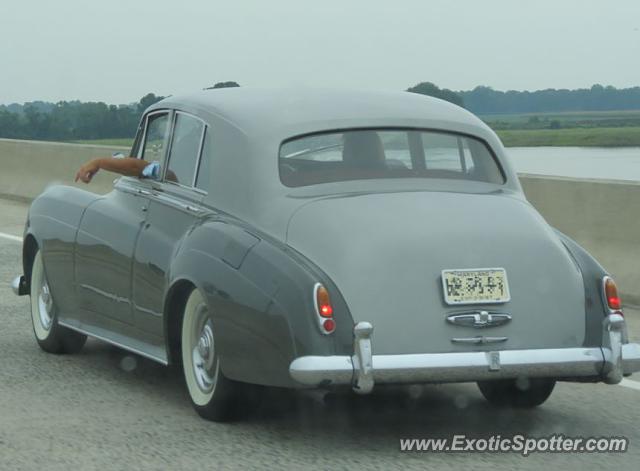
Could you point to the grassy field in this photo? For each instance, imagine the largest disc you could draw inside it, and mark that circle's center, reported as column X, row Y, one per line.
column 565, row 119
column 581, row 129
column 578, row 137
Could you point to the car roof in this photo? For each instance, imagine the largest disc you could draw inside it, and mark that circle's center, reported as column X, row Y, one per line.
column 248, row 126
column 287, row 112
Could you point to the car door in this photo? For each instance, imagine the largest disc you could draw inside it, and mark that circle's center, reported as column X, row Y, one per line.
column 174, row 208
column 108, row 234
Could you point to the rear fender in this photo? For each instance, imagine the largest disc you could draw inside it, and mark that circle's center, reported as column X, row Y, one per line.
column 261, row 296
column 592, row 274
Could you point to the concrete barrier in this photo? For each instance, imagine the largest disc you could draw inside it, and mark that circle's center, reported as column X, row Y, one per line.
column 29, row 166
column 599, row 215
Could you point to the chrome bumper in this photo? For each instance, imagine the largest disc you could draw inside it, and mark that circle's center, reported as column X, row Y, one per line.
column 19, row 286
column 363, row 369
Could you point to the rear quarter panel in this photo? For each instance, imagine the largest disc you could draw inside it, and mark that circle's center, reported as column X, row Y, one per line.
column 261, row 297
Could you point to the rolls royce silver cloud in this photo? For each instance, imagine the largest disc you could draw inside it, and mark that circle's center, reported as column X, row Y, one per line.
column 323, row 239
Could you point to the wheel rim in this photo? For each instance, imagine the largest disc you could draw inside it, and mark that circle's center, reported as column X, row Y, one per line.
column 42, row 305
column 45, row 305
column 203, row 352
column 199, row 358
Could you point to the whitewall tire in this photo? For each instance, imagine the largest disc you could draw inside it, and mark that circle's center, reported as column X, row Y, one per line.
column 213, row 396
column 50, row 336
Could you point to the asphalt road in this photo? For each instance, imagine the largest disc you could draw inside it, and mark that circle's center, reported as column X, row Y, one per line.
column 105, row 409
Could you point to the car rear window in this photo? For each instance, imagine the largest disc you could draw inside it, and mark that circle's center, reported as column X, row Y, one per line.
column 386, row 153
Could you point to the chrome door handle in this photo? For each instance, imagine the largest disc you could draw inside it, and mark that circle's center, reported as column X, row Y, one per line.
column 145, row 192
column 193, row 209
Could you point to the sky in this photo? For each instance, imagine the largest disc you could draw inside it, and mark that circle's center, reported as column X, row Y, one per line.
column 119, row 50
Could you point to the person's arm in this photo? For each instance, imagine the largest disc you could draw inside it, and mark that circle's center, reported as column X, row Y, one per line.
column 129, row 166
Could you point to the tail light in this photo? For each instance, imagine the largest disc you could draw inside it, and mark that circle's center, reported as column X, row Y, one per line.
column 611, row 296
column 324, row 309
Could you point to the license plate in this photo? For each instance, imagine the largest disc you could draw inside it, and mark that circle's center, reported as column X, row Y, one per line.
column 475, row 286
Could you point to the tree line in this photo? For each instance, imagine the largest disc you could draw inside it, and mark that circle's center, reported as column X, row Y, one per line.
column 72, row 120
column 75, row 120
column 485, row 100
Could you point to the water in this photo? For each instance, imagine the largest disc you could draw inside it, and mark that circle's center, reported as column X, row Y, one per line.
column 622, row 163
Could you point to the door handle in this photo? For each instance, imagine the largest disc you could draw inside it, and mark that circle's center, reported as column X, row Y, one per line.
column 144, row 192
column 193, row 209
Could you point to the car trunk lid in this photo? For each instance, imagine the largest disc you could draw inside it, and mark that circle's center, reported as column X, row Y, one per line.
column 386, row 254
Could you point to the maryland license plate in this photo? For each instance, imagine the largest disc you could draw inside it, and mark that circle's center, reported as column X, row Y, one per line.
column 475, row 286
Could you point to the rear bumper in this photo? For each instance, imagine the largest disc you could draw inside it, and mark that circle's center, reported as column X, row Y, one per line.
column 363, row 370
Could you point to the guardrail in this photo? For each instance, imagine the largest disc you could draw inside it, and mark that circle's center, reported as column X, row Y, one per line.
column 598, row 214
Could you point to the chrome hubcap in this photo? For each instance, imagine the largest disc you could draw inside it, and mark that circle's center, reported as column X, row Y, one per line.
column 45, row 305
column 203, row 351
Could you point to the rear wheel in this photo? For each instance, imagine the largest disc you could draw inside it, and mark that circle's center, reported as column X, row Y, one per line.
column 523, row 392
column 213, row 396
column 51, row 336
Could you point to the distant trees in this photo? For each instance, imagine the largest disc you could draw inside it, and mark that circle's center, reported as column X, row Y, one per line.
column 148, row 100
column 230, row 84
column 431, row 89
column 485, row 100
column 72, row 120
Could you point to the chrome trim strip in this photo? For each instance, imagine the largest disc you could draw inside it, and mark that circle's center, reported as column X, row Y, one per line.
column 113, row 297
column 185, row 187
column 114, row 343
column 479, row 340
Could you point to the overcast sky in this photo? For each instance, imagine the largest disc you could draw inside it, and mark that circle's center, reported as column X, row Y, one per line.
column 118, row 50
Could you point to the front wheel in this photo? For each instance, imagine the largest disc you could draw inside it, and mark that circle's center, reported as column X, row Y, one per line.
column 51, row 337
column 213, row 396
column 522, row 392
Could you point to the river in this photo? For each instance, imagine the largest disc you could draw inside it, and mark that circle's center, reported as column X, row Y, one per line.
column 620, row 163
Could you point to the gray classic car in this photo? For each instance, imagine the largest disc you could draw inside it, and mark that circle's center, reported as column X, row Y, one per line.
column 323, row 239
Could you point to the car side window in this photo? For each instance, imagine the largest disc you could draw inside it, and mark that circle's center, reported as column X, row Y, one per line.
column 185, row 150
column 155, row 137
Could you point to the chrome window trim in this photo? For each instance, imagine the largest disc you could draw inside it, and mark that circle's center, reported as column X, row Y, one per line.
column 201, row 151
column 492, row 153
column 166, row 111
column 198, row 157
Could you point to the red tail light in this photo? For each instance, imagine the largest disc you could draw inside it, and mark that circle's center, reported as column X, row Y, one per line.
column 324, row 309
column 611, row 294
column 329, row 325
column 323, row 302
